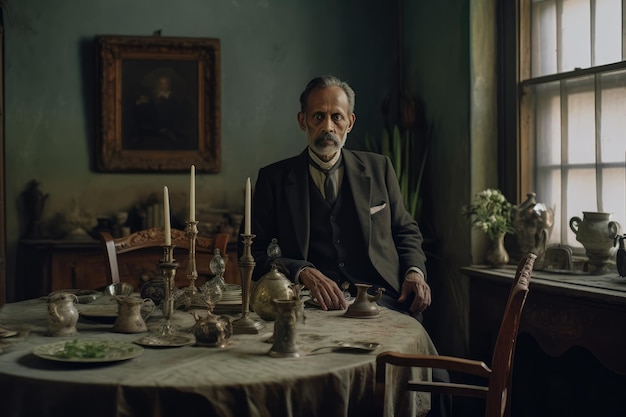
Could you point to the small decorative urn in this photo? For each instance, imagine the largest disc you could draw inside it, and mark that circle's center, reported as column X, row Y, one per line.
column 364, row 305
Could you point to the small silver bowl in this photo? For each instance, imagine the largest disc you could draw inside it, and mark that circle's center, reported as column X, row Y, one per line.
column 121, row 289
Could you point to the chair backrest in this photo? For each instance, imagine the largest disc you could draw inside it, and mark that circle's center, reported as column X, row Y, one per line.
column 502, row 361
column 151, row 241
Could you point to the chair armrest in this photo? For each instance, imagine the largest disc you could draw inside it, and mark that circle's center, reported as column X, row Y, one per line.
column 450, row 363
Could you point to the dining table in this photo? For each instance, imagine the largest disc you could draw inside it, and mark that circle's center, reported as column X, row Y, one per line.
column 239, row 379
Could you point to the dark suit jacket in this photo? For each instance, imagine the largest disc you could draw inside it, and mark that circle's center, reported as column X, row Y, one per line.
column 281, row 210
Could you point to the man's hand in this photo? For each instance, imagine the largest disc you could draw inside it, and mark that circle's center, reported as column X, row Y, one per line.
column 414, row 282
column 323, row 289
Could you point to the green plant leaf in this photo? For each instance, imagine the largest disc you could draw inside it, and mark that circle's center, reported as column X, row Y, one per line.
column 408, row 151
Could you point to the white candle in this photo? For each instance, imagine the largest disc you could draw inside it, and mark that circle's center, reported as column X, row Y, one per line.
column 247, row 209
column 166, row 215
column 192, row 195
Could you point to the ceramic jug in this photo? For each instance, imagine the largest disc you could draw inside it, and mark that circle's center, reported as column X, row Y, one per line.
column 62, row 315
column 131, row 314
column 597, row 233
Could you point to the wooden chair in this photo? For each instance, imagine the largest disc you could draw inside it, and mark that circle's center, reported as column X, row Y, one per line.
column 497, row 389
column 134, row 258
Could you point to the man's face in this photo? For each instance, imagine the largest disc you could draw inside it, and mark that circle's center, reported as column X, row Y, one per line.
column 163, row 87
column 327, row 121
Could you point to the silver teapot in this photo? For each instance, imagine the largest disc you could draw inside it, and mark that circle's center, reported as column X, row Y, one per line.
column 212, row 330
column 272, row 286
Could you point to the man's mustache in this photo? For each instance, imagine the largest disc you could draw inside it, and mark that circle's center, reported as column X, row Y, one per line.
column 327, row 136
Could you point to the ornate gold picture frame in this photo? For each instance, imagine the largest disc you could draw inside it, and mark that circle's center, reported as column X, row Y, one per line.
column 160, row 104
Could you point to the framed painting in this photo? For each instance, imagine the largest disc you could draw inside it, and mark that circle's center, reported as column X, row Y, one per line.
column 160, row 104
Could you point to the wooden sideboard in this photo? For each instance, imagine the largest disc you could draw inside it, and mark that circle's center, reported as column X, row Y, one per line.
column 570, row 357
column 562, row 311
column 49, row 265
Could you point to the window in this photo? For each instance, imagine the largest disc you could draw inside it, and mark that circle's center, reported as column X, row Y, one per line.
column 573, row 109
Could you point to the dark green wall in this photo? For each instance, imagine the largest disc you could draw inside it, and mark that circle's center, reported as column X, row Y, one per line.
column 269, row 50
column 437, row 58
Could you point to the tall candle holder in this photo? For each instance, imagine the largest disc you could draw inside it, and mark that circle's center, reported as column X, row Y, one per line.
column 191, row 295
column 168, row 267
column 245, row 324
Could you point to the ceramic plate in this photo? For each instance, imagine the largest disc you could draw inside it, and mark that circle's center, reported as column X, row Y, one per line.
column 111, row 351
column 99, row 311
column 156, row 340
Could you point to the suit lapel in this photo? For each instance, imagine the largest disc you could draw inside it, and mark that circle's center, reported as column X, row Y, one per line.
column 297, row 193
column 361, row 184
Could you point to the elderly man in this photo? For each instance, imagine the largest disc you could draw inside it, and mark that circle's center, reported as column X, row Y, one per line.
column 338, row 215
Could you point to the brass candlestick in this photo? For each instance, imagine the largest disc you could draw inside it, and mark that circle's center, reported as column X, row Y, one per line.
column 191, row 295
column 245, row 324
column 168, row 267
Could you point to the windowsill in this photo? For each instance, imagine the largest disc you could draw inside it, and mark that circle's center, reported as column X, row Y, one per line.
column 609, row 287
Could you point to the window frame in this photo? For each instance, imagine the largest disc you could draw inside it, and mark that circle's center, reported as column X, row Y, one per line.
column 516, row 110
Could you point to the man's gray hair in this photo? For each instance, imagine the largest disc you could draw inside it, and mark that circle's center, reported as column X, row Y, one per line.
column 326, row 81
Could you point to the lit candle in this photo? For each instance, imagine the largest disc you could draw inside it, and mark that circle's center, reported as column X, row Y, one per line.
column 247, row 210
column 192, row 195
column 166, row 214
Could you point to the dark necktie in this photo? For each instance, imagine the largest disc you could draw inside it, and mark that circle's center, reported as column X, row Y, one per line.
column 330, row 180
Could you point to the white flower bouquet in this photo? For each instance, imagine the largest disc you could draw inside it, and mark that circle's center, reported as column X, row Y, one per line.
column 491, row 213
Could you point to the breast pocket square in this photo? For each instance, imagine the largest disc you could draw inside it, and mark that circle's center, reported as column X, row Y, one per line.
column 376, row 209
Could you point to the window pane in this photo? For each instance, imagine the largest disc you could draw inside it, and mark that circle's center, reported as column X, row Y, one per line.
column 580, row 196
column 575, row 35
column 579, row 111
column 548, row 123
column 614, row 194
column 608, row 32
column 543, row 38
column 612, row 117
column 548, row 191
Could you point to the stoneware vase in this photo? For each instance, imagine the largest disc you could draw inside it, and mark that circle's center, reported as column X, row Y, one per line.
column 496, row 254
column 597, row 233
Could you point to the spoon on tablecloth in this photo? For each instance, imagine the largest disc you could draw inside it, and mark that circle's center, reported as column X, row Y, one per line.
column 350, row 346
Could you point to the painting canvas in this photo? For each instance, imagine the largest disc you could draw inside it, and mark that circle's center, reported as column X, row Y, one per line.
column 160, row 104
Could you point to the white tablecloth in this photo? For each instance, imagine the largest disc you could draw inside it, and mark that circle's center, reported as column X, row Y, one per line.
column 239, row 380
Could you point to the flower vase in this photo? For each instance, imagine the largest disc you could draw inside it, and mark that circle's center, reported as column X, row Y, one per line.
column 496, row 253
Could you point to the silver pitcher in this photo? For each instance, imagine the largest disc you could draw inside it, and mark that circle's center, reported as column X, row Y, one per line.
column 62, row 315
